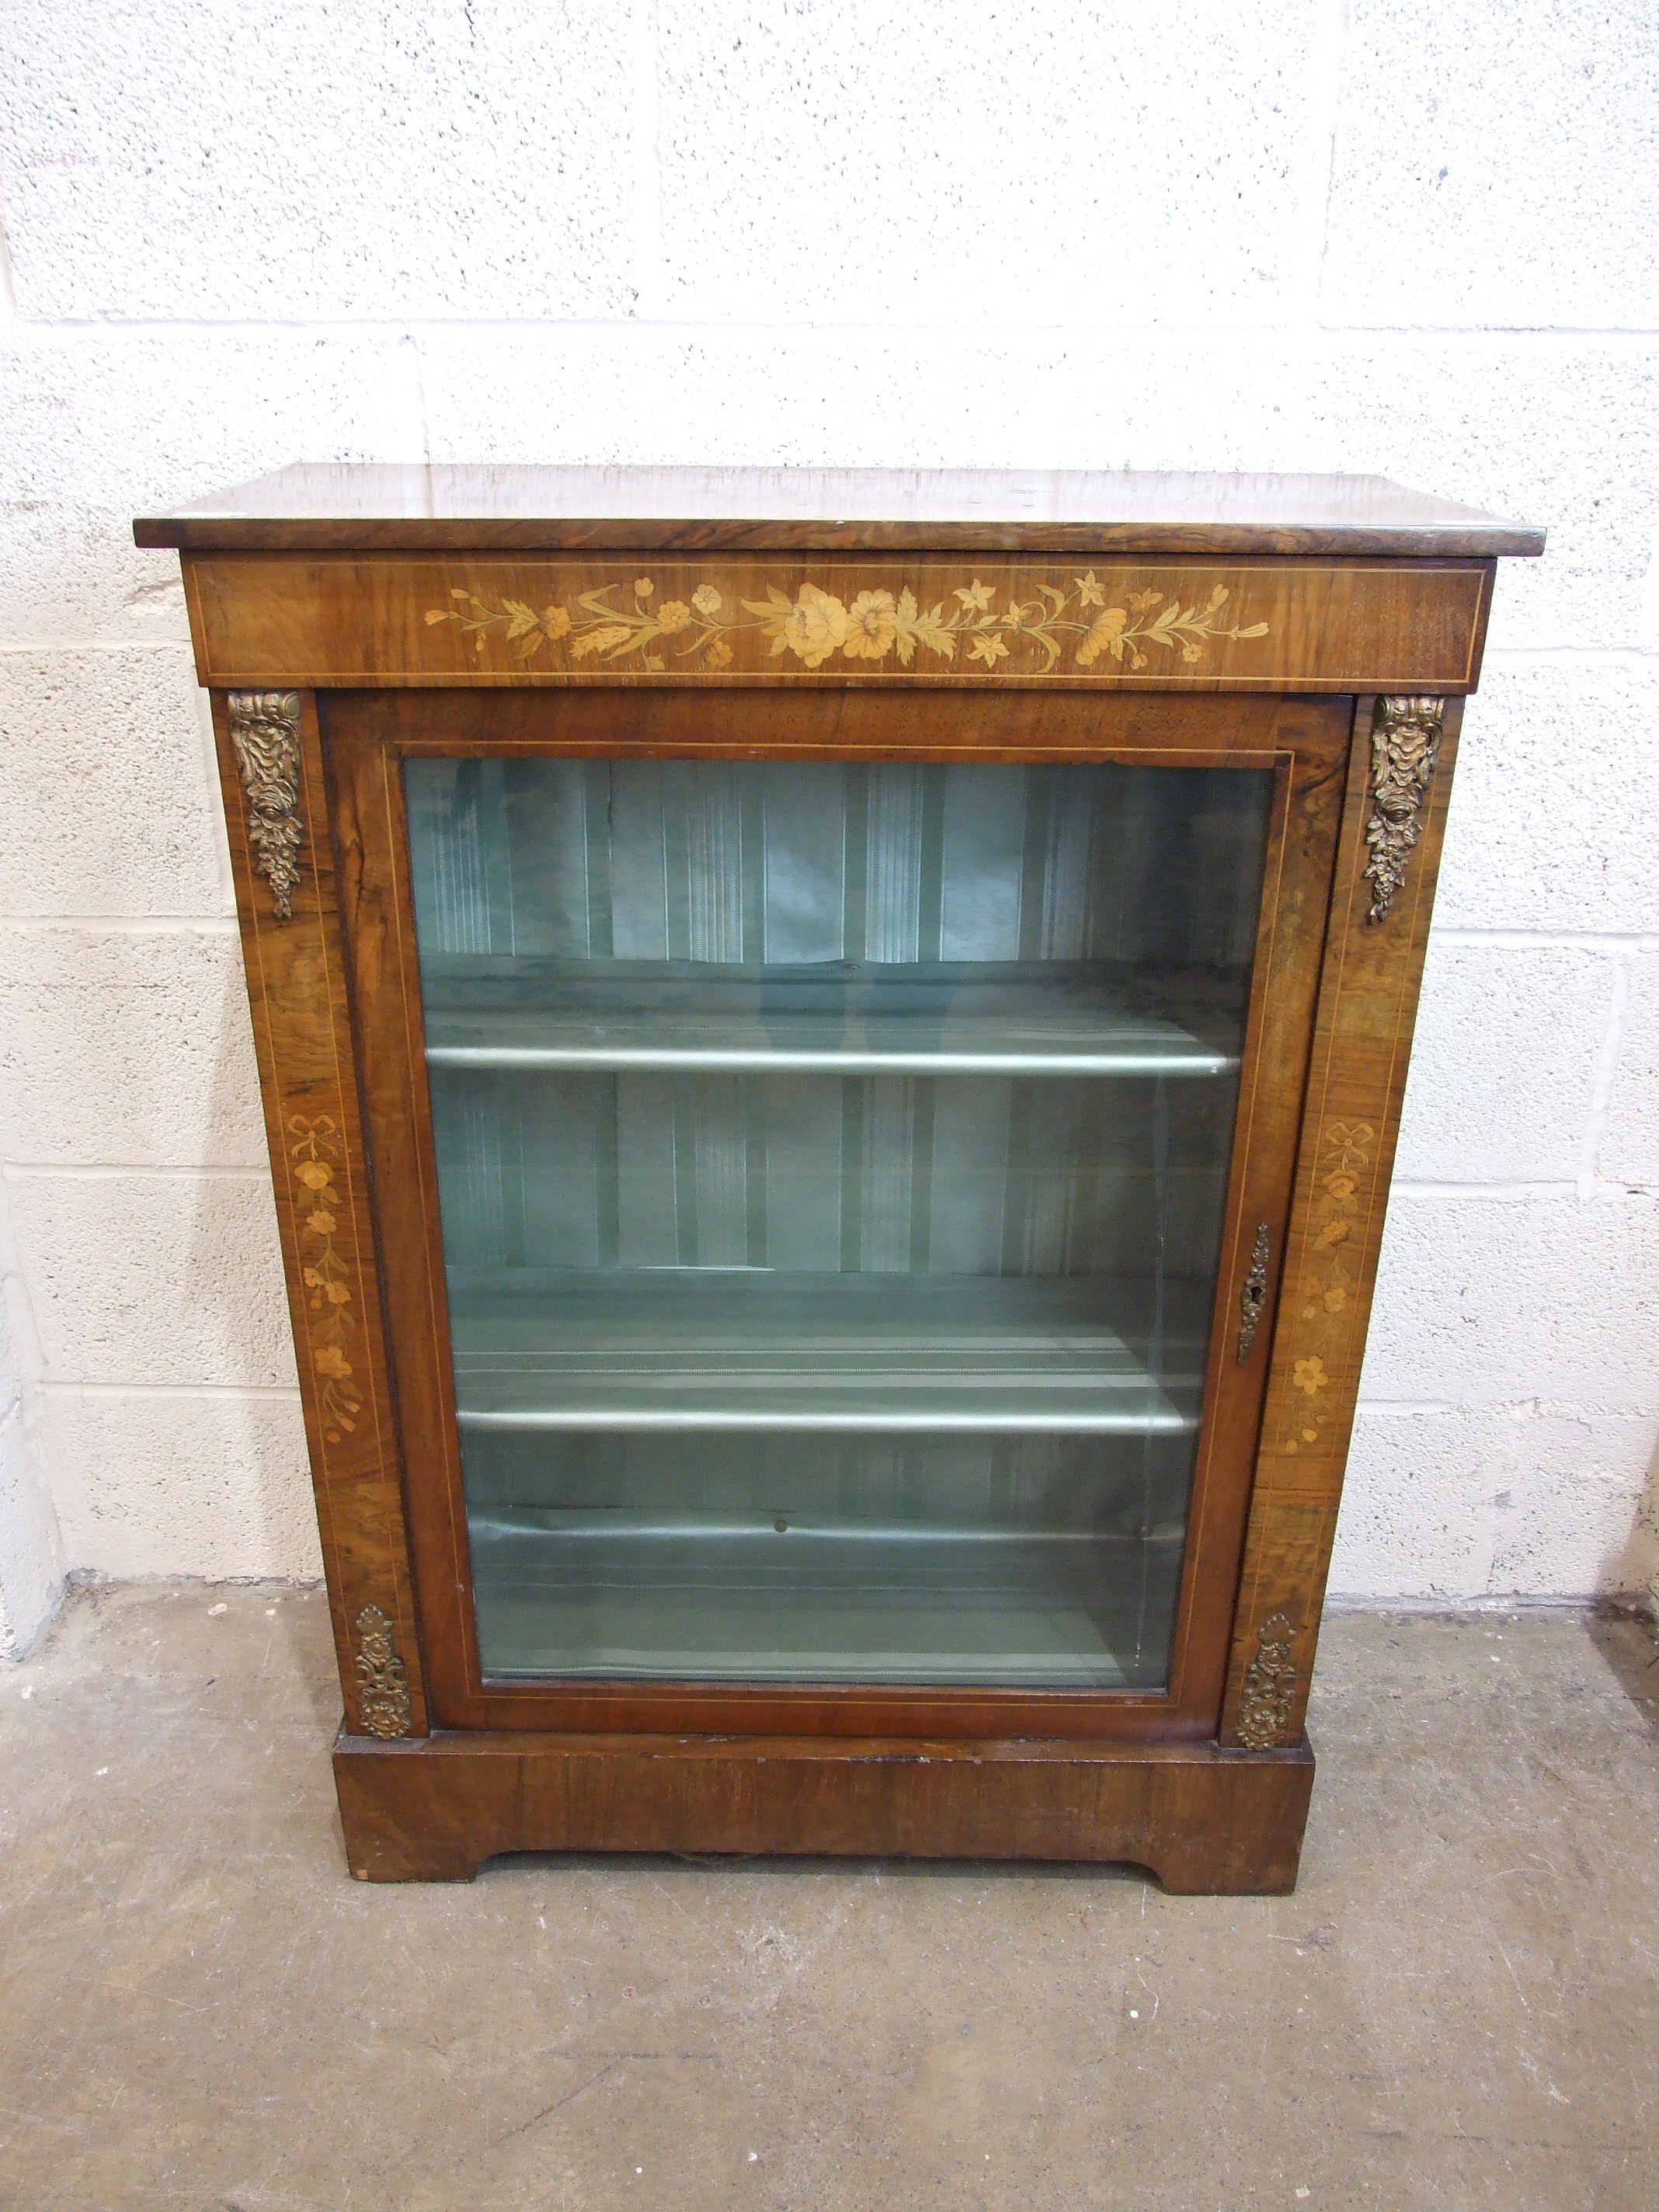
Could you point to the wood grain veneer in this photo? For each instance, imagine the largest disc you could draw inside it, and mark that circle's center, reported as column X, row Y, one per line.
column 346, row 507
column 1200, row 1818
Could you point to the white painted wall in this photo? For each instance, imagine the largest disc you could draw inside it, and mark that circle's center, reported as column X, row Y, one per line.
column 31, row 1556
column 1413, row 236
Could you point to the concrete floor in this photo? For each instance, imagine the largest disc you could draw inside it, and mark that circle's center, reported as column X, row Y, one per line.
column 200, row 2008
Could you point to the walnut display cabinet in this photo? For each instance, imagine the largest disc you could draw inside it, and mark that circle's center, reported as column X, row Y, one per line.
column 831, row 1047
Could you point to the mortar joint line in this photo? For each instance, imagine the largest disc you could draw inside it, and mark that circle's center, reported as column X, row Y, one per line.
column 422, row 411
column 127, row 925
column 22, row 645
column 647, row 153
column 1607, row 1073
column 1517, row 1192
column 1333, row 61
column 1577, row 656
column 115, row 1171
column 1636, row 335
column 72, row 1387
column 10, row 313
column 1512, row 940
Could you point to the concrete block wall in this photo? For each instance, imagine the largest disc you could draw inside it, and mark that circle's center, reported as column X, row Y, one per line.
column 31, row 1555
column 1366, row 235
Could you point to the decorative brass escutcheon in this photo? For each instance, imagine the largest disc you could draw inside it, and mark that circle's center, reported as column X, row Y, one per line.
column 1253, row 1296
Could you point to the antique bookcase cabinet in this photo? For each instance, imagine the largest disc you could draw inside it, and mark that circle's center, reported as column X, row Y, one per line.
column 831, row 1048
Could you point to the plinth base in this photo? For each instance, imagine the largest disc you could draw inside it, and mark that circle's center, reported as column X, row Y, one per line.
column 1204, row 1819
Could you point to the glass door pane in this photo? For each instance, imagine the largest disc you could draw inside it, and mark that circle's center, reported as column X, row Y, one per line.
column 832, row 1158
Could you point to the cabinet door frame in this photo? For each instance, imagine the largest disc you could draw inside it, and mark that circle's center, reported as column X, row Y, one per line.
column 363, row 739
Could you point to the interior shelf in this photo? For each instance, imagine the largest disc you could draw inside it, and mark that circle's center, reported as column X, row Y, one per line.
column 1054, row 1021
column 689, row 1349
column 574, row 1594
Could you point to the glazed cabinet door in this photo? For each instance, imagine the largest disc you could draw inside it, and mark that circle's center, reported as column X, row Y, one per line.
column 830, row 1156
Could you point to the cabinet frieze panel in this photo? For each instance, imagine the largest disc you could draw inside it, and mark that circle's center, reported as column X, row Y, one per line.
column 1171, row 625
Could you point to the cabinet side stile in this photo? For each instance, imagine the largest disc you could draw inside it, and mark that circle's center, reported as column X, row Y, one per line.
column 282, row 853
column 1399, row 783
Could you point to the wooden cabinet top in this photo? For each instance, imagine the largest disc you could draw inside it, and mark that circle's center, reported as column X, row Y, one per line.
column 349, row 508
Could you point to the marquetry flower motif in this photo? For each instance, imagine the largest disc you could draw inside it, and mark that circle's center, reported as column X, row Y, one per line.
column 313, row 1153
column 1055, row 630
column 871, row 626
column 1105, row 633
column 813, row 627
column 1331, row 1281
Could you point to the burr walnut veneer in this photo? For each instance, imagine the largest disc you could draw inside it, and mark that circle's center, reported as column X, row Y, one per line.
column 831, row 1047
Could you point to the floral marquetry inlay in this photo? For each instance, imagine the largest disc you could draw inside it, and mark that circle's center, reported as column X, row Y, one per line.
column 1042, row 627
column 1330, row 1282
column 314, row 1152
